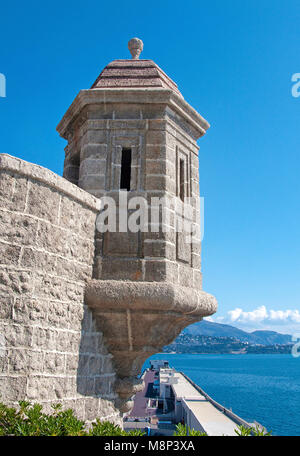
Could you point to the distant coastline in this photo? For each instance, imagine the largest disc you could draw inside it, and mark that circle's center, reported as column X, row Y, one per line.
column 205, row 345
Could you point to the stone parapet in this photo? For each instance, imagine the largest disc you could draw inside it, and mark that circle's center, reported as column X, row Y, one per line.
column 51, row 349
column 40, row 174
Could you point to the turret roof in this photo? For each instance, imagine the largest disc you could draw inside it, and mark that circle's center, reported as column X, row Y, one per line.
column 134, row 74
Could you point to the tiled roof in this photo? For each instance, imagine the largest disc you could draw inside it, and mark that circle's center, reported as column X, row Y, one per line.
column 134, row 74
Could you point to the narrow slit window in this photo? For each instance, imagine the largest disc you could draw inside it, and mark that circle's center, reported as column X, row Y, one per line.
column 125, row 169
column 181, row 179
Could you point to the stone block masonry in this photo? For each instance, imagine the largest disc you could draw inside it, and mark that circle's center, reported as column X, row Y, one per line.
column 133, row 132
column 51, row 350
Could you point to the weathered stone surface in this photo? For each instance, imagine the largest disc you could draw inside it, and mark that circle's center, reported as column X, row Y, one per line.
column 14, row 281
column 37, row 260
column 139, row 318
column 78, row 219
column 27, row 310
column 54, row 363
column 40, row 388
column 92, row 166
column 121, row 244
column 12, row 388
column 92, row 182
column 6, row 307
column 13, row 191
column 17, row 228
column 94, row 151
column 114, row 294
column 24, row 170
column 103, row 386
column 17, row 335
column 25, row 361
column 158, row 166
column 121, row 269
column 67, row 268
column 128, row 385
column 9, row 254
column 43, row 202
column 47, row 230
column 135, row 46
column 160, row 249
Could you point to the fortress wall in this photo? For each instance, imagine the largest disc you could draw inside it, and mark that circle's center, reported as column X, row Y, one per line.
column 50, row 349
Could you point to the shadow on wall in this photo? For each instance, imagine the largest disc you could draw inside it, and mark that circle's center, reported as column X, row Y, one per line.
column 95, row 372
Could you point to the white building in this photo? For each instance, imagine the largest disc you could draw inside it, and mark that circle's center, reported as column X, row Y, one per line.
column 185, row 403
column 157, row 364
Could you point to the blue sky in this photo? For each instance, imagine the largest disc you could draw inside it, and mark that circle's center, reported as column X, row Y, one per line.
column 233, row 61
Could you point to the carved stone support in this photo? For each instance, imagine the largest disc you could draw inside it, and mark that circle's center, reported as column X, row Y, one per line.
column 138, row 319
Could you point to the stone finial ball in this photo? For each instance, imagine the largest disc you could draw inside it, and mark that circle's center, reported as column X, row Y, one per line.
column 135, row 46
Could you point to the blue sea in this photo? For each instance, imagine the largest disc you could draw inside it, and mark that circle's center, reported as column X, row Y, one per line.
column 264, row 388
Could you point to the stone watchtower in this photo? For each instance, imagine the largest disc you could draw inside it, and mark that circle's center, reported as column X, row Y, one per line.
column 131, row 135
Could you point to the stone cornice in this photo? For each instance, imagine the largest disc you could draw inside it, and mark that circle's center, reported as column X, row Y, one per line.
column 154, row 296
column 136, row 96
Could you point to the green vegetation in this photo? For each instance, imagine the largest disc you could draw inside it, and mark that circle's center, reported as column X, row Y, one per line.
column 29, row 420
column 183, row 430
column 243, row 431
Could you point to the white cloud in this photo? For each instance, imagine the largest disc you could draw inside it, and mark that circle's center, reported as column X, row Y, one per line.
column 258, row 314
column 286, row 321
column 215, row 319
column 283, row 315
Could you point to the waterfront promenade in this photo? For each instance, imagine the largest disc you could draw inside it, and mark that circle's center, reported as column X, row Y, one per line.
column 189, row 405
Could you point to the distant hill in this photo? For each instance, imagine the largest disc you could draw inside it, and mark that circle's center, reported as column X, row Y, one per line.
column 208, row 328
column 272, row 337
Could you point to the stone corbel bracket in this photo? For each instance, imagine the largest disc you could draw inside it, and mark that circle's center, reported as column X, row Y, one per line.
column 138, row 319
